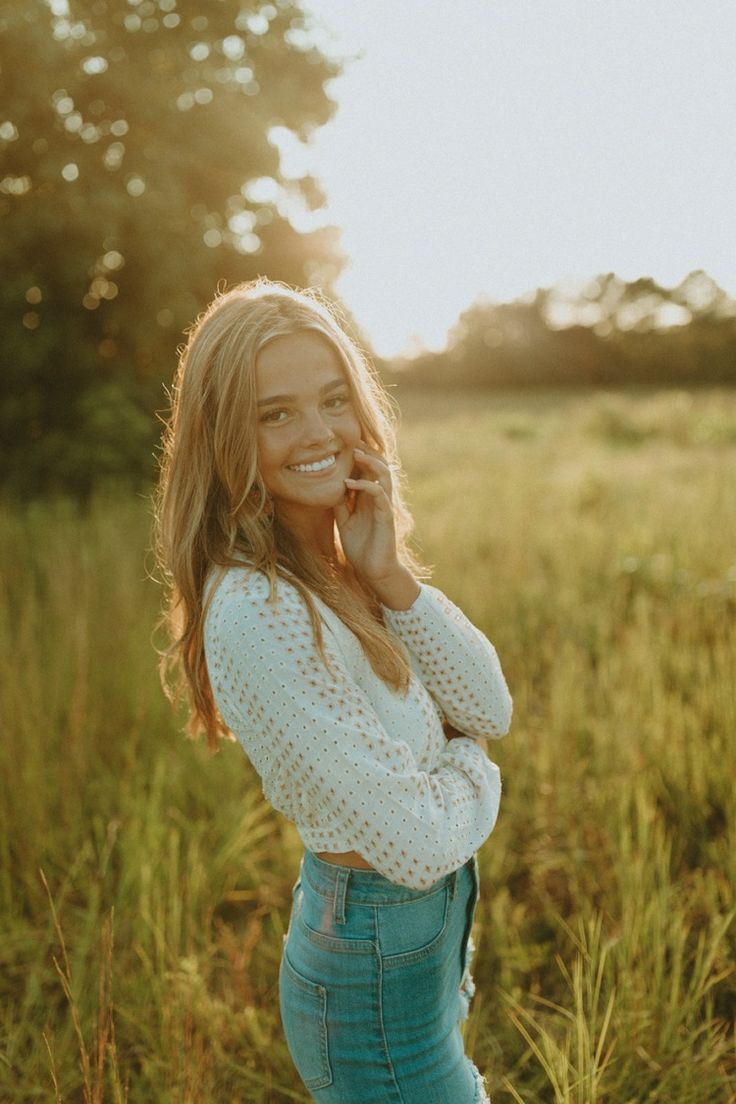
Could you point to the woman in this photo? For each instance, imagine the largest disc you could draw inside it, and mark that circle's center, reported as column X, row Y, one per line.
column 362, row 696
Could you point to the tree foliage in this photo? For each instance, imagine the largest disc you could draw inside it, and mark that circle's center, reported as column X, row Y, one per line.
column 138, row 171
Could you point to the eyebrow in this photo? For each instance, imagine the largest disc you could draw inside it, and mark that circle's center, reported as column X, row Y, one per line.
column 290, row 398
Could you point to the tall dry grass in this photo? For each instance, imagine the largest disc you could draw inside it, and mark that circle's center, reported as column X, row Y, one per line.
column 144, row 886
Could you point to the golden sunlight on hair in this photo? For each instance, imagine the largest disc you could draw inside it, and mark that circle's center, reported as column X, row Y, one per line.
column 212, row 508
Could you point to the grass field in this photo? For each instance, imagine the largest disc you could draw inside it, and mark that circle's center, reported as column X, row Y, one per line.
column 145, row 886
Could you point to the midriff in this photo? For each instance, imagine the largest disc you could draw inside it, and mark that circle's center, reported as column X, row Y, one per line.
column 345, row 858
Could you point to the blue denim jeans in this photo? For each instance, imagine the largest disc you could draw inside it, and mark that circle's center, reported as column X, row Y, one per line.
column 374, row 983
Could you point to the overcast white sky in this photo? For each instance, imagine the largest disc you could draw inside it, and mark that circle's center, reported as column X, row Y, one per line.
column 493, row 146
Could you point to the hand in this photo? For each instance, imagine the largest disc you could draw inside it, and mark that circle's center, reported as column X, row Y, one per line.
column 451, row 732
column 365, row 520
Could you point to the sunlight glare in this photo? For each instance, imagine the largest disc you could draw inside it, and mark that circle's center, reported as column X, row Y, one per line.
column 511, row 146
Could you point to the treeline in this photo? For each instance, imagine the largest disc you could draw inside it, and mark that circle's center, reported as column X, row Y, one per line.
column 605, row 333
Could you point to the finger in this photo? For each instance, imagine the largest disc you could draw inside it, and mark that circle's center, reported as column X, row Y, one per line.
column 377, row 465
column 394, row 466
column 375, row 490
column 342, row 513
column 370, row 451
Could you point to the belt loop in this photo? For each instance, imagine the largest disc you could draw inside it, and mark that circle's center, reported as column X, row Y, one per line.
column 341, row 885
column 453, row 884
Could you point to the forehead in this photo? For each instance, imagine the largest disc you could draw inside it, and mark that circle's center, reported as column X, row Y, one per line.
column 295, row 361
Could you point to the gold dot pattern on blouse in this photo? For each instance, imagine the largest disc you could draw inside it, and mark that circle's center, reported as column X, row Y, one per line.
column 354, row 764
column 457, row 661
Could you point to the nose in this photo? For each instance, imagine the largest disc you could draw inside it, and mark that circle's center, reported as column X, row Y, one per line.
column 316, row 429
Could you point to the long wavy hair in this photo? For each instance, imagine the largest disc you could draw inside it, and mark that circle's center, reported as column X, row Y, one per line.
column 212, row 510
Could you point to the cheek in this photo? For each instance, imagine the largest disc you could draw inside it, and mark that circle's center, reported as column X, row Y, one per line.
column 269, row 454
column 262, row 449
column 351, row 429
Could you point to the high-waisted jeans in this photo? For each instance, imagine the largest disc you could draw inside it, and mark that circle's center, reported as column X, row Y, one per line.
column 374, row 983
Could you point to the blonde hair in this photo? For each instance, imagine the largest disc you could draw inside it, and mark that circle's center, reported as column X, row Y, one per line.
column 211, row 508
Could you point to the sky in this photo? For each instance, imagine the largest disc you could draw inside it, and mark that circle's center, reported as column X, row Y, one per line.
column 490, row 147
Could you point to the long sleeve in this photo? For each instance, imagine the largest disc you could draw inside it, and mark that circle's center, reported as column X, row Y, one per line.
column 456, row 662
column 314, row 734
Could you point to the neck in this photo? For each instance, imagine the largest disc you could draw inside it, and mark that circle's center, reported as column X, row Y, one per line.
column 315, row 530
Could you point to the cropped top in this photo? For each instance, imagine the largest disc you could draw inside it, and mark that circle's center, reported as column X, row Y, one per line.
column 354, row 764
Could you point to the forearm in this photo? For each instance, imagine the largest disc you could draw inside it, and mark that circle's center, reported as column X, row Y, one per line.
column 455, row 661
column 398, row 591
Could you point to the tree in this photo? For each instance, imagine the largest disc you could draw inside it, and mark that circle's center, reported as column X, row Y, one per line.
column 609, row 333
column 138, row 172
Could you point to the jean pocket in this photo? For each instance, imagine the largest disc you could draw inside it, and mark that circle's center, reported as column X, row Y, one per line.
column 304, row 1017
column 412, row 930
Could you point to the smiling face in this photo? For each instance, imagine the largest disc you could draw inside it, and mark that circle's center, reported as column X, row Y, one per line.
column 307, row 425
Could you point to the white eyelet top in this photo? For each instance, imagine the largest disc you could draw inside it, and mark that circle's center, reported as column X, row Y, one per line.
column 355, row 765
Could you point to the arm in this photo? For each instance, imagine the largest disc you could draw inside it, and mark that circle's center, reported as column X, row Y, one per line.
column 317, row 731
column 451, row 733
column 456, row 662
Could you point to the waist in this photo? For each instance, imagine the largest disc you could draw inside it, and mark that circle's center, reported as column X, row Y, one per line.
column 345, row 858
column 366, row 885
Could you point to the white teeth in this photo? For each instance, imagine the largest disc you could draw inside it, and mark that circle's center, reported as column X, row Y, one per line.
column 313, row 467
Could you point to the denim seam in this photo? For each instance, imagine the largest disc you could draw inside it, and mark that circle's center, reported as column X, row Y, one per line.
column 335, row 943
column 386, row 1051
column 469, row 921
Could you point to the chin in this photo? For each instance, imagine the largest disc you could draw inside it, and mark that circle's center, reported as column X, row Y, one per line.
column 328, row 500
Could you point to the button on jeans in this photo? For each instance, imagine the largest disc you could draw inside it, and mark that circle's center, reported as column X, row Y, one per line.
column 374, row 983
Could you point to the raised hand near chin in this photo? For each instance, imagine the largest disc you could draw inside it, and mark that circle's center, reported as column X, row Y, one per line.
column 365, row 520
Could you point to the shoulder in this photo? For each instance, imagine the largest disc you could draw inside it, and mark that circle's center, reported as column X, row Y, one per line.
column 260, row 638
column 242, row 600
